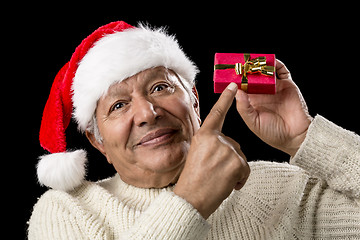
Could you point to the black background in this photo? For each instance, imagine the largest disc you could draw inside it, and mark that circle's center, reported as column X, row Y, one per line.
column 319, row 45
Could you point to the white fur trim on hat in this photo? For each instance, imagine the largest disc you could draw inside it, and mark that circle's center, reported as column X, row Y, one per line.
column 121, row 55
column 62, row 171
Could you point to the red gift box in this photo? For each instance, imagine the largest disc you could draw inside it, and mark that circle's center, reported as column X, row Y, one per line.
column 253, row 73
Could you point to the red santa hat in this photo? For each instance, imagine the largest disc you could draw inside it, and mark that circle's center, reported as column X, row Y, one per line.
column 109, row 55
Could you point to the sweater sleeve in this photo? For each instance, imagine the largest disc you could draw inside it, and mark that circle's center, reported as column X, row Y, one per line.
column 332, row 154
column 169, row 217
column 56, row 216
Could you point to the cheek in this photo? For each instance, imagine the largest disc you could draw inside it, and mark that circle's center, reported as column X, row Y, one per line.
column 182, row 109
column 177, row 107
column 115, row 135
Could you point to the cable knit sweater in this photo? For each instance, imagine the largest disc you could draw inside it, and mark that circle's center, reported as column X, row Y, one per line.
column 316, row 196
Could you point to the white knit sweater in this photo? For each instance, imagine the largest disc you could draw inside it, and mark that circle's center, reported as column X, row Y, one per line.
column 316, row 197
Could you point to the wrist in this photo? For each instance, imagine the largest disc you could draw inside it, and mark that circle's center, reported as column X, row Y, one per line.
column 295, row 144
column 189, row 197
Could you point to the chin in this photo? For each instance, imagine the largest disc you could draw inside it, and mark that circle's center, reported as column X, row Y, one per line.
column 165, row 170
column 160, row 166
column 164, row 156
column 167, row 164
column 168, row 179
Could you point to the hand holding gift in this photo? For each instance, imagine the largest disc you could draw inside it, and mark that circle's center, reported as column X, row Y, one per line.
column 281, row 120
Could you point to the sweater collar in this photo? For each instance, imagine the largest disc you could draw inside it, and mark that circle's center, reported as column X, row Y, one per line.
column 131, row 195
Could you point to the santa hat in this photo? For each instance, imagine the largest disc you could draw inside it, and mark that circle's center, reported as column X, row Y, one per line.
column 109, row 55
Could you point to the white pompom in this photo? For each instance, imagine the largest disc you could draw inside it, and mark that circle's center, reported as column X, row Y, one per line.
column 62, row 171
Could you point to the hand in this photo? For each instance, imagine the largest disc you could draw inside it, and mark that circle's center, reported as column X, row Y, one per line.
column 215, row 164
column 280, row 120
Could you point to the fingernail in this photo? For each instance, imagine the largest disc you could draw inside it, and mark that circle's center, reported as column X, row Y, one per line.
column 232, row 86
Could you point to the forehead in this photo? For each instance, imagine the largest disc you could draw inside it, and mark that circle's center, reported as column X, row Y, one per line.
column 141, row 79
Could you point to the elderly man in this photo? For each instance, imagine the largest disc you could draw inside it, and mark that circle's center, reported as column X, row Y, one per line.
column 132, row 92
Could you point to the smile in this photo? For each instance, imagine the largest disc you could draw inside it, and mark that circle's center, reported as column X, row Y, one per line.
column 158, row 137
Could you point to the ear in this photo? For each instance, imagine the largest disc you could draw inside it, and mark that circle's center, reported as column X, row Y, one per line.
column 196, row 103
column 96, row 144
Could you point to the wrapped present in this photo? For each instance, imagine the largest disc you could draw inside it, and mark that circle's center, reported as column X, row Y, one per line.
column 253, row 73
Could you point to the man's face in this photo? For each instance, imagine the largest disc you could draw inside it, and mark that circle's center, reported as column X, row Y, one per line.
column 146, row 123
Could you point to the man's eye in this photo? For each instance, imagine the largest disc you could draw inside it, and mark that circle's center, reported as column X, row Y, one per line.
column 160, row 87
column 117, row 106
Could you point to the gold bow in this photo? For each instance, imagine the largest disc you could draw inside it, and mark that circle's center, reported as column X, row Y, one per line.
column 256, row 65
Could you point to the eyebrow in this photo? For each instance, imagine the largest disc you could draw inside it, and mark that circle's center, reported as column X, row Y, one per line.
column 114, row 90
column 159, row 72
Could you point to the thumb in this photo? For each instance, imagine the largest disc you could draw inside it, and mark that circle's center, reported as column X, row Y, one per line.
column 246, row 110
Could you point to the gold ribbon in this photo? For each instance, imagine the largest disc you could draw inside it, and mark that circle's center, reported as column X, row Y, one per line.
column 256, row 65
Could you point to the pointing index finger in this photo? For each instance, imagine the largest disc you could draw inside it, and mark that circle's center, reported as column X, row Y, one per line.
column 215, row 119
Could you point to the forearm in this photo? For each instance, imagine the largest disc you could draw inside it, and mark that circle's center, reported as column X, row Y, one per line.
column 331, row 153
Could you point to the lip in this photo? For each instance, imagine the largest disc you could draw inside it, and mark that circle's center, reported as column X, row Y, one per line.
column 157, row 137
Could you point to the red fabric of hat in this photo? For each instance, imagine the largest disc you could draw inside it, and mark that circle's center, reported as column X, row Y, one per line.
column 58, row 108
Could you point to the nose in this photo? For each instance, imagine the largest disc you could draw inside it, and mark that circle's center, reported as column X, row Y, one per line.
column 144, row 112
